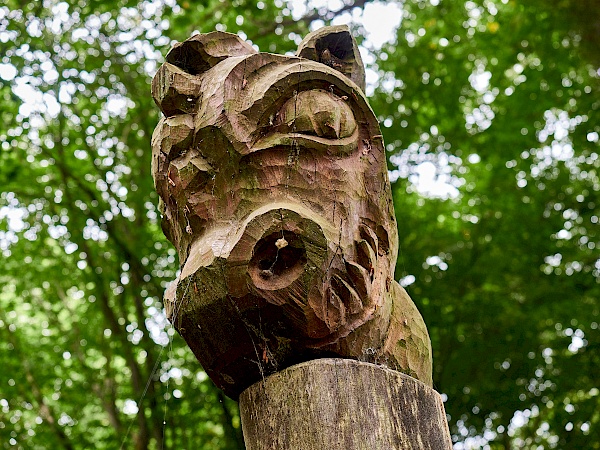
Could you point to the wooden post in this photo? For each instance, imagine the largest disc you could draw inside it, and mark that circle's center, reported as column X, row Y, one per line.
column 341, row 404
column 273, row 182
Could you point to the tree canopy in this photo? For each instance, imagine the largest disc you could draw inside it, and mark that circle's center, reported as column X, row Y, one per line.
column 487, row 110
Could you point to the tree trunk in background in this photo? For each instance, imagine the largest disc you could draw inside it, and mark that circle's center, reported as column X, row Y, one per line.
column 342, row 404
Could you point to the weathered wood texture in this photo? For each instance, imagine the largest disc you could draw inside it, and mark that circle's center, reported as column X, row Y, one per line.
column 274, row 189
column 342, row 404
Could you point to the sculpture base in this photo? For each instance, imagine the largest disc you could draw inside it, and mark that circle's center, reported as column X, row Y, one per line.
column 342, row 404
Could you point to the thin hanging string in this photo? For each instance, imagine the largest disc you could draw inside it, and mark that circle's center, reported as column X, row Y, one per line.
column 178, row 306
column 154, row 371
column 139, row 402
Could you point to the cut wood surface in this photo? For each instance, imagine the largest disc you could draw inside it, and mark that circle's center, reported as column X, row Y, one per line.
column 341, row 404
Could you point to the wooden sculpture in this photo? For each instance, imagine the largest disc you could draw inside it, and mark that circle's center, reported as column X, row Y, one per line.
column 274, row 189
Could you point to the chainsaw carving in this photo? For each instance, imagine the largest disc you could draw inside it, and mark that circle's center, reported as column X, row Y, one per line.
column 273, row 183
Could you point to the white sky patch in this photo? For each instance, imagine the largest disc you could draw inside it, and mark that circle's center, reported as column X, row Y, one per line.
column 558, row 124
column 430, row 182
column 70, row 247
column 576, row 343
column 436, row 261
column 407, row 280
column 14, row 216
column 557, row 144
column 379, row 19
column 7, row 72
column 156, row 326
column 130, row 407
column 60, row 17
column 519, row 419
column 33, row 100
column 116, row 105
column 480, row 81
column 173, row 373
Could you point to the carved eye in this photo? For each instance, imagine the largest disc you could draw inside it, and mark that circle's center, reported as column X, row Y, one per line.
column 318, row 113
column 314, row 119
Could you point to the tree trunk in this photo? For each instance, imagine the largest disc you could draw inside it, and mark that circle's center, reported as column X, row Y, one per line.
column 342, row 404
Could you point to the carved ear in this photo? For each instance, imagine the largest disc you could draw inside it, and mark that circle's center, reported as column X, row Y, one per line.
column 201, row 52
column 335, row 47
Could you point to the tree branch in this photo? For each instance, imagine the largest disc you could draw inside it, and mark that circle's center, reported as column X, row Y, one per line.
column 309, row 18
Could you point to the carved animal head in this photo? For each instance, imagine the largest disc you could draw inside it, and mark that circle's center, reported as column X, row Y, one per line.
column 272, row 174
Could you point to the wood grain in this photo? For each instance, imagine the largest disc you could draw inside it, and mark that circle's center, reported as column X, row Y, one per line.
column 341, row 404
column 274, row 190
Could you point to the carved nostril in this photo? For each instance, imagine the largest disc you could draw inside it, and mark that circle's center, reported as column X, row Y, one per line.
column 277, row 260
column 265, row 264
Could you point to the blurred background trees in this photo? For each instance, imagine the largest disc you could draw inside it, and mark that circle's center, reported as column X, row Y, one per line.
column 487, row 109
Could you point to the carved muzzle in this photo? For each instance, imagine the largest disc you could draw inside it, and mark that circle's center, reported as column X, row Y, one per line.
column 280, row 257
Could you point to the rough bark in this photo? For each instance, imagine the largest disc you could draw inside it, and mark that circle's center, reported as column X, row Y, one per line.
column 342, row 404
column 273, row 180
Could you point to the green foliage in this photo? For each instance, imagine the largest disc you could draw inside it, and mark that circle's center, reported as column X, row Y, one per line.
column 499, row 98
